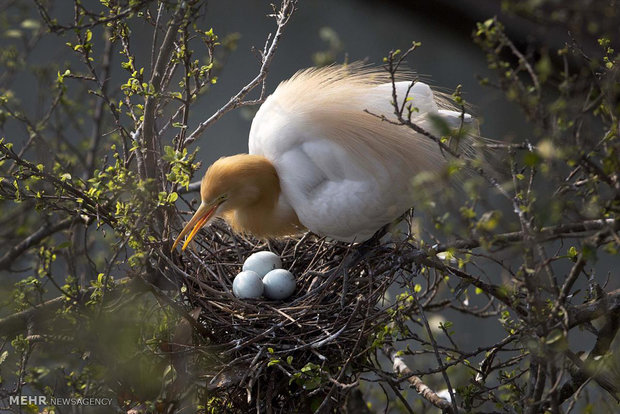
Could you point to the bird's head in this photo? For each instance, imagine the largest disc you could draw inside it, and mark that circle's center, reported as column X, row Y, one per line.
column 232, row 183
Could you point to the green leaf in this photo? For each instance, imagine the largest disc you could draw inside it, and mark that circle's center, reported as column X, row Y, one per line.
column 274, row 361
column 30, row 24
column 531, row 159
column 573, row 253
column 12, row 33
column 172, row 197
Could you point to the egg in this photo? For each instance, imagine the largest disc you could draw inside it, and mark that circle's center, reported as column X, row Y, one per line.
column 248, row 285
column 279, row 284
column 262, row 263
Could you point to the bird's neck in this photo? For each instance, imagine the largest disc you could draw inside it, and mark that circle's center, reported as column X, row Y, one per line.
column 264, row 214
column 264, row 220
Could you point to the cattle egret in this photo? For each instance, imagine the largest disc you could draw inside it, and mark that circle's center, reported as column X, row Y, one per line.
column 322, row 157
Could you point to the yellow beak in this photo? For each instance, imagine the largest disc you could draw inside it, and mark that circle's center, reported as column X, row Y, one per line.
column 200, row 218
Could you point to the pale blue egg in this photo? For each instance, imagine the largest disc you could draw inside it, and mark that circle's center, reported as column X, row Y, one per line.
column 248, row 285
column 262, row 263
column 279, row 284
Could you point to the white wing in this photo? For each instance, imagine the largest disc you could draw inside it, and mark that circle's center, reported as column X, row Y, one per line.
column 331, row 195
column 326, row 180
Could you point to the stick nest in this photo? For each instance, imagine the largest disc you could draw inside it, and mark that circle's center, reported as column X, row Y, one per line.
column 264, row 352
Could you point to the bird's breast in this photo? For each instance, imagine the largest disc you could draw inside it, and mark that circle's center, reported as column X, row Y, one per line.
column 264, row 221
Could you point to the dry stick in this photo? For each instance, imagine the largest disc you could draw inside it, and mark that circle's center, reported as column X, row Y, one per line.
column 150, row 104
column 401, row 368
column 161, row 295
column 286, row 10
column 572, row 277
column 537, row 390
column 342, row 370
column 544, row 234
column 493, row 349
column 435, row 348
column 589, row 311
column 58, row 28
column 584, row 370
column 95, row 137
column 422, row 258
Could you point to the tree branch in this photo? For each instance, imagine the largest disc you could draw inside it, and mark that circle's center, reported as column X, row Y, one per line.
column 589, row 311
column 18, row 322
column 544, row 234
column 581, row 371
column 149, row 133
column 103, row 83
column 282, row 17
column 34, row 239
column 402, row 369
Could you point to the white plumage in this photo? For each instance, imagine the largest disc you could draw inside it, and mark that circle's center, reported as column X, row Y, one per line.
column 343, row 170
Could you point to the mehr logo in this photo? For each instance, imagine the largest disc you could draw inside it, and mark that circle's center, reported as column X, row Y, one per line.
column 27, row 400
column 57, row 401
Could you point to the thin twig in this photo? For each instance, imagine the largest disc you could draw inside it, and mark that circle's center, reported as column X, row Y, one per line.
column 282, row 18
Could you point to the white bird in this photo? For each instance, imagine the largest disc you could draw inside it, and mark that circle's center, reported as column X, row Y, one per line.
column 321, row 158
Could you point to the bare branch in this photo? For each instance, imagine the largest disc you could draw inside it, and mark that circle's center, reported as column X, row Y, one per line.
column 282, row 18
column 149, row 132
column 35, row 238
column 401, row 369
column 589, row 311
column 544, row 234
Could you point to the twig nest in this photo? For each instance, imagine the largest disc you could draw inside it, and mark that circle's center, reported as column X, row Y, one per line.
column 248, row 285
column 262, row 263
column 320, row 323
column 279, row 284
